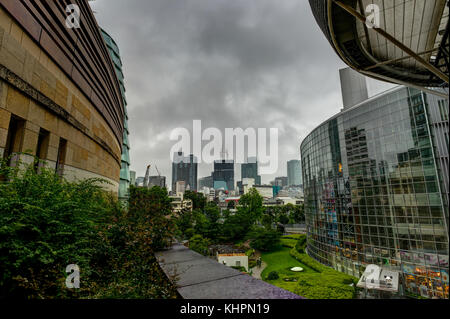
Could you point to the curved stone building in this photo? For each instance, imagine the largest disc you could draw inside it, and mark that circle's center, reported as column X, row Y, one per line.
column 409, row 46
column 375, row 180
column 59, row 95
column 124, row 185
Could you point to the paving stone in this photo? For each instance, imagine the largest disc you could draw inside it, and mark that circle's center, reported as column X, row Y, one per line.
column 199, row 277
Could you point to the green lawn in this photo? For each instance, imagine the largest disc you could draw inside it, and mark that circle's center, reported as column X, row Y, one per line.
column 327, row 284
column 281, row 261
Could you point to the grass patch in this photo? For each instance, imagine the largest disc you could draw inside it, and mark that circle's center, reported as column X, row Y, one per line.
column 315, row 282
column 293, row 236
column 288, row 242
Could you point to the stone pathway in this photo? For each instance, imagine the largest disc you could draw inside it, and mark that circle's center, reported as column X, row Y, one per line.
column 198, row 277
column 257, row 271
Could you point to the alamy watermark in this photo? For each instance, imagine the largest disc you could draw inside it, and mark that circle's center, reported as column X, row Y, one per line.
column 373, row 18
column 262, row 143
column 73, row 20
column 73, row 279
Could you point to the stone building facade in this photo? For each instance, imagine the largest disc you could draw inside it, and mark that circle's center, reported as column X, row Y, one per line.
column 59, row 97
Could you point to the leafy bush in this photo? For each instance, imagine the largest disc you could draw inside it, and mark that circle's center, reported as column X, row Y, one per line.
column 190, row 232
column 47, row 223
column 324, row 286
column 265, row 240
column 252, row 263
column 288, row 242
column 240, row 268
column 199, row 244
column 301, row 244
column 273, row 275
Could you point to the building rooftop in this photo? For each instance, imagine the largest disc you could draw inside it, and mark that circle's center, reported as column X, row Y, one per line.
column 199, row 277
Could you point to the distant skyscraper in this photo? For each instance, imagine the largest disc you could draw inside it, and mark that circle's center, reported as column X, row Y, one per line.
column 205, row 182
column 180, row 187
column 294, row 171
column 133, row 178
column 157, row 181
column 223, row 175
column 281, row 181
column 250, row 170
column 184, row 169
column 139, row 181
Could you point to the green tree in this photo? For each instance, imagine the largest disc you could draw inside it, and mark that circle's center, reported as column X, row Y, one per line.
column 212, row 214
column 283, row 219
column 198, row 199
column 185, row 222
column 251, row 204
column 264, row 239
column 47, row 223
column 199, row 244
column 267, row 221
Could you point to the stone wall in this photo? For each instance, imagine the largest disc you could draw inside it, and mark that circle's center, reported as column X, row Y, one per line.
column 34, row 89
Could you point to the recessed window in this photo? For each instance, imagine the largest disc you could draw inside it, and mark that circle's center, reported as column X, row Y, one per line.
column 42, row 147
column 14, row 139
column 60, row 161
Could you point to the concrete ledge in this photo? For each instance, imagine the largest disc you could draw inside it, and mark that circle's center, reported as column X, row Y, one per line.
column 199, row 277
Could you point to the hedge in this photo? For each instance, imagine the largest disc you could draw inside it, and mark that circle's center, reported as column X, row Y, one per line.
column 325, row 286
column 298, row 252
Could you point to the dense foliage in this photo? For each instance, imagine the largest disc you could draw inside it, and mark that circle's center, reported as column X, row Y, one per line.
column 273, row 275
column 47, row 223
column 265, row 239
column 199, row 244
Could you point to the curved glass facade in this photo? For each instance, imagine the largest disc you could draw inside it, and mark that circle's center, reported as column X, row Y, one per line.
column 124, row 184
column 374, row 193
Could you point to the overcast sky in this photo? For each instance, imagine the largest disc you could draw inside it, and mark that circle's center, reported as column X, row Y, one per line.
column 228, row 63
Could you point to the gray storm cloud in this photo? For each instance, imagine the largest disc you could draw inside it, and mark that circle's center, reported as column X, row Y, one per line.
column 240, row 63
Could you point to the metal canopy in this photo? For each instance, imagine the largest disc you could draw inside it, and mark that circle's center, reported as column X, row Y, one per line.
column 409, row 46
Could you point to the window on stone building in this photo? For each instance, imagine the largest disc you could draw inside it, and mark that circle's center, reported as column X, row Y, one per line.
column 61, row 156
column 42, row 147
column 14, row 139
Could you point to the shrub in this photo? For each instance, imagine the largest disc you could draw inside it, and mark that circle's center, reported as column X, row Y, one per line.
column 47, row 223
column 252, row 263
column 265, row 240
column 189, row 232
column 199, row 244
column 273, row 275
column 240, row 268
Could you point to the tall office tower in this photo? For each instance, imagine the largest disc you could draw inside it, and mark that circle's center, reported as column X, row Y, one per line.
column 205, row 182
column 184, row 169
column 180, row 187
column 60, row 101
column 250, row 170
column 353, row 87
column 294, row 172
column 133, row 178
column 157, row 181
column 223, row 175
column 281, row 181
column 124, row 184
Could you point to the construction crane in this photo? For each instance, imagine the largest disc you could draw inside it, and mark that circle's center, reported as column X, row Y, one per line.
column 147, row 173
column 159, row 174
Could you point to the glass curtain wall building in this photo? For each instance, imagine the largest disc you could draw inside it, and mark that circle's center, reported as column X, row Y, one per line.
column 124, row 184
column 294, row 172
column 184, row 168
column 376, row 189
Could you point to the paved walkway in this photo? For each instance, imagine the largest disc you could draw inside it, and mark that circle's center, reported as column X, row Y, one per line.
column 198, row 277
column 257, row 271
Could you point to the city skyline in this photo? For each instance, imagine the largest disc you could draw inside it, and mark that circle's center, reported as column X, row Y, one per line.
column 190, row 73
